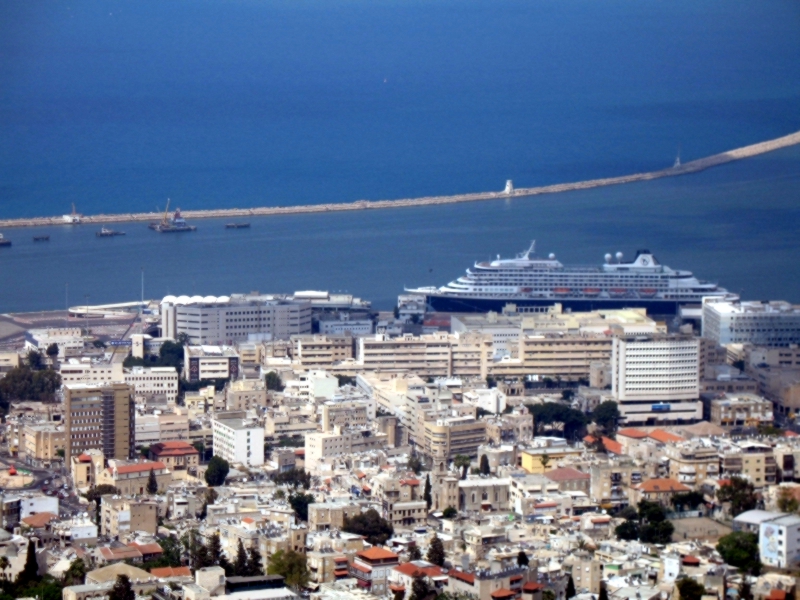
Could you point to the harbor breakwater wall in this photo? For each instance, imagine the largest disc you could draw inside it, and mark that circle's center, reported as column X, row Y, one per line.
column 684, row 169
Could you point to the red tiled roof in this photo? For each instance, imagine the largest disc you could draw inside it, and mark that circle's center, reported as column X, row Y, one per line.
column 790, row 433
column 601, row 519
column 84, row 458
column 362, row 568
column 377, row 553
column 566, row 474
column 665, row 437
column 173, row 449
column 775, row 594
column 40, row 519
column 532, row 586
column 340, row 559
column 397, row 588
column 300, row 451
column 632, row 432
column 662, row 485
column 409, row 482
column 147, row 548
column 164, row 572
column 610, row 445
column 139, row 468
column 120, row 553
column 248, row 520
column 503, row 593
column 691, row 561
column 546, row 505
column 413, row 570
column 466, row 577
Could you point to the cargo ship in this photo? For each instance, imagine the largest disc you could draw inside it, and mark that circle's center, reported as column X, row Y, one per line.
column 174, row 224
column 528, row 281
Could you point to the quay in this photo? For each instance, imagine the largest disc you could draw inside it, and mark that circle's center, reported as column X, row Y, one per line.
column 683, row 169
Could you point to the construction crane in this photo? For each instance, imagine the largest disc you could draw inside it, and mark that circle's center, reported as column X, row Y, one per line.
column 165, row 220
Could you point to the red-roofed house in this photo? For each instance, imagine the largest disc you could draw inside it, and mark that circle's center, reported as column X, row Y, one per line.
column 611, row 446
column 167, row 572
column 39, row 520
column 507, row 584
column 665, row 437
column 403, row 576
column 175, row 455
column 131, row 477
column 371, row 568
column 658, row 490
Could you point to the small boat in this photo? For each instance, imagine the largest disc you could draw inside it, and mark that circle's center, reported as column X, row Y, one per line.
column 648, row 292
column 237, row 225
column 561, row 291
column 591, row 291
column 41, row 238
column 3, row 241
column 105, row 232
column 616, row 292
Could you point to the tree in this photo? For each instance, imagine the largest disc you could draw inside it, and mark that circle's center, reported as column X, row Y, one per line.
column 52, row 351
column 171, row 355
column 343, row 380
column 240, row 564
column 34, row 359
column 628, row 513
column 216, row 556
column 740, row 493
column 122, row 590
column 30, row 572
column 522, row 559
column 25, row 383
column 649, row 525
column 740, row 549
column 449, row 513
column 688, row 500
column 426, row 495
column 273, row 382
column 299, row 503
column 4, row 564
column 420, row 589
column 629, row 530
column 371, row 525
column 436, row 552
column 549, row 595
column 96, row 494
column 280, row 494
column 171, row 551
column 787, row 502
column 75, row 575
column 545, row 460
column 690, row 589
column 570, row 593
column 745, row 593
column 415, row 464
column 484, row 465
column 291, row 566
column 152, row 483
column 557, row 417
column 567, row 396
column 217, row 471
column 462, row 461
column 414, row 553
column 255, row 565
column 606, row 416
column 603, row 592
column 294, row 477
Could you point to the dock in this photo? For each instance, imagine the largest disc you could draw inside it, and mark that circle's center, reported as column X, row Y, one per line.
column 687, row 168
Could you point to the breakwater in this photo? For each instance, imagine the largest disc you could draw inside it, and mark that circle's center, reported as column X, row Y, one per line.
column 684, row 169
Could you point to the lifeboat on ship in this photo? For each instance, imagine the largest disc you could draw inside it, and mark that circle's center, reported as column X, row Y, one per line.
column 591, row 291
column 617, row 292
column 526, row 290
column 561, row 291
column 648, row 292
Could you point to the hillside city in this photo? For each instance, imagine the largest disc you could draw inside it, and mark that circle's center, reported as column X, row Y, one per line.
column 283, row 446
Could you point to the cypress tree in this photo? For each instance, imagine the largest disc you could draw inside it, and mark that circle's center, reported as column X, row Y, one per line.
column 30, row 572
column 427, row 494
column 240, row 566
column 570, row 588
column 436, row 552
column 152, row 483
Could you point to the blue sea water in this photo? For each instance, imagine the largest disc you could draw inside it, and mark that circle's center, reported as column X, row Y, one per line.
column 116, row 105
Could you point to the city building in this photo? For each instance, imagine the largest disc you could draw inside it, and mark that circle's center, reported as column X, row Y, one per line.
column 42, row 443
column 86, row 370
column 371, row 569
column 656, row 380
column 153, row 382
column 245, row 394
column 779, row 542
column 99, row 417
column 750, row 460
column 324, row 516
column 741, row 410
column 210, row 362
column 692, row 462
column 119, row 516
column 312, row 385
column 176, row 456
column 339, row 442
column 345, row 324
column 168, row 427
column 238, row 441
column 733, row 321
column 132, row 477
column 446, row 436
column 68, row 339
column 228, row 319
column 320, row 351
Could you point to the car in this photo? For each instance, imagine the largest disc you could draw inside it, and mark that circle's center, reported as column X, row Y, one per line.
column 47, row 482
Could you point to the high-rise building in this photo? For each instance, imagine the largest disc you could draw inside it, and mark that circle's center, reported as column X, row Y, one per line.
column 657, row 379
column 99, row 417
column 731, row 321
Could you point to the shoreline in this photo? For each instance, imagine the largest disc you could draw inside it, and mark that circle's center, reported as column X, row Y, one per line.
column 694, row 166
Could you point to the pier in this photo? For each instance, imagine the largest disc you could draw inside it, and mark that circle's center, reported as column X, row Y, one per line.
column 509, row 192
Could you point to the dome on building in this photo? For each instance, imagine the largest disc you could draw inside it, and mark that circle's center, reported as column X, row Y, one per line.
column 168, row 299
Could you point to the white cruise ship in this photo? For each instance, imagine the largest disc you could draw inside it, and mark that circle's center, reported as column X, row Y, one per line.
column 528, row 281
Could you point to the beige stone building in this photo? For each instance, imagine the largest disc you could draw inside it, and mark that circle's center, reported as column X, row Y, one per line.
column 320, row 351
column 175, row 455
column 131, row 477
column 99, row 417
column 741, row 410
column 119, row 516
column 340, row 443
column 323, row 516
column 692, row 462
column 84, row 468
column 245, row 394
column 752, row 460
column 446, row 437
column 42, row 442
column 401, row 500
column 430, row 355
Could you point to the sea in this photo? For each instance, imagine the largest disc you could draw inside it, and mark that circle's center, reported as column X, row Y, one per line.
column 118, row 105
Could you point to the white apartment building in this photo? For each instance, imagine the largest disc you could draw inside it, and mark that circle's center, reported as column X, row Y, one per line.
column 335, row 443
column 346, row 324
column 84, row 370
column 311, row 385
column 151, row 382
column 151, row 429
column 491, row 400
column 227, row 319
column 731, row 321
column 656, row 379
column 68, row 339
column 210, row 362
column 238, row 441
column 779, row 541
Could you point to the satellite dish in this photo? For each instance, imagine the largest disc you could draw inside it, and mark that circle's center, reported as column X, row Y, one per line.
column 619, row 255
column 608, row 257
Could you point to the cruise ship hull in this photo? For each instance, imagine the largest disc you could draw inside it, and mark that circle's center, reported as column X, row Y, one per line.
column 454, row 304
